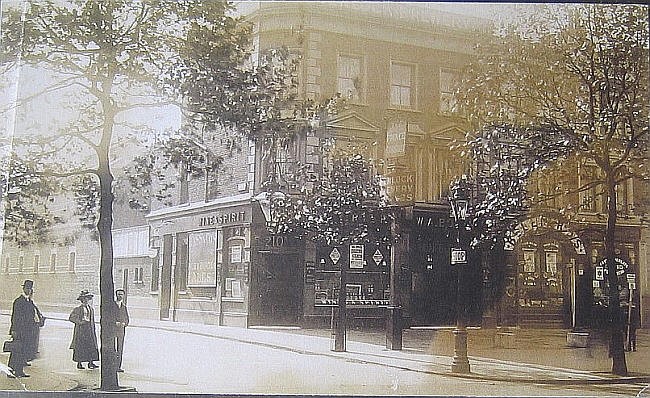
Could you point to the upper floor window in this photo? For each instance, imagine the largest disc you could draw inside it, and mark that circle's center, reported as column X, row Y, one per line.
column 72, row 260
column 184, row 186
column 623, row 203
column 138, row 275
column 37, row 261
column 591, row 194
column 402, row 89
column 448, row 82
column 350, row 78
column 53, row 262
column 131, row 242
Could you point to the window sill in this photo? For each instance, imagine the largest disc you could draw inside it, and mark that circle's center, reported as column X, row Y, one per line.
column 233, row 299
column 393, row 108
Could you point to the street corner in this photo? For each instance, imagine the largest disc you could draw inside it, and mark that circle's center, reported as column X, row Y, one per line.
column 38, row 380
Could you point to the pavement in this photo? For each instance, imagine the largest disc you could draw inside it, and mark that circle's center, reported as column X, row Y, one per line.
column 538, row 356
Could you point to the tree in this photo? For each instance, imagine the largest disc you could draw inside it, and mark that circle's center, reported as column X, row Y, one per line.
column 342, row 206
column 571, row 84
column 102, row 60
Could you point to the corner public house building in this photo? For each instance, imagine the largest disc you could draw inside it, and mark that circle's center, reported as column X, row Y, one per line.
column 209, row 258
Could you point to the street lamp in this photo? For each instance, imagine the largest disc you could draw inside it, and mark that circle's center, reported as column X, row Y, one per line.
column 459, row 202
column 269, row 203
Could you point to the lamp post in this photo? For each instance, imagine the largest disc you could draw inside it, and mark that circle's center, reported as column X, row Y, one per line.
column 459, row 202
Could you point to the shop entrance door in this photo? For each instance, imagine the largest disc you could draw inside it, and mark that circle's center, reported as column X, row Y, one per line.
column 280, row 287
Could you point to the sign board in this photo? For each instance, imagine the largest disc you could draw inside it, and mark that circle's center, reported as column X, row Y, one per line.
column 335, row 255
column 377, row 257
column 458, row 256
column 631, row 278
column 600, row 273
column 356, row 256
column 631, row 285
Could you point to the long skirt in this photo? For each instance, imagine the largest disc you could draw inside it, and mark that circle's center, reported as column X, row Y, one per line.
column 85, row 345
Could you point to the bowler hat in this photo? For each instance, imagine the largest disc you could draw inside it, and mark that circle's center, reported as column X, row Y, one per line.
column 28, row 284
column 84, row 293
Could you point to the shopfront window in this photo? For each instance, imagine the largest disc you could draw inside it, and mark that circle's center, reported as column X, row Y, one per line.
column 236, row 258
column 201, row 267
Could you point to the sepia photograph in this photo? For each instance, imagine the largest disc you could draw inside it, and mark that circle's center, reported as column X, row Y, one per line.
column 224, row 198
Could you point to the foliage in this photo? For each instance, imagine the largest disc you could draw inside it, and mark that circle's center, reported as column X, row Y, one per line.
column 25, row 201
column 102, row 62
column 344, row 205
column 569, row 88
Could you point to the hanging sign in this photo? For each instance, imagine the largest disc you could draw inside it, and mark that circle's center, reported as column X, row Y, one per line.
column 396, row 139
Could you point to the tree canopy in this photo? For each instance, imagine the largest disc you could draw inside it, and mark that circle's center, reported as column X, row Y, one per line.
column 102, row 65
column 563, row 89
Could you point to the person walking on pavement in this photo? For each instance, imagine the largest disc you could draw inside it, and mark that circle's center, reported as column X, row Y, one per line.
column 22, row 329
column 84, row 338
column 121, row 322
column 32, row 350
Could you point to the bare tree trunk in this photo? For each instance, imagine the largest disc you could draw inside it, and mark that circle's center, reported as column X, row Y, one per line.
column 616, row 324
column 109, row 380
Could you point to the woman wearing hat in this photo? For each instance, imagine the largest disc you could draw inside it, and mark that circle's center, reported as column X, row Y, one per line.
column 84, row 338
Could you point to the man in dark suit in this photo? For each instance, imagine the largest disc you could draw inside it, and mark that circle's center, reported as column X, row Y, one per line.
column 23, row 326
column 121, row 322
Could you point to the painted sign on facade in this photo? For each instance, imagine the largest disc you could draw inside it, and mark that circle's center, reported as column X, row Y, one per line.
column 401, row 187
column 202, row 266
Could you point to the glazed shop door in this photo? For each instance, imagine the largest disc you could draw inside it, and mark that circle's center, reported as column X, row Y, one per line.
column 280, row 286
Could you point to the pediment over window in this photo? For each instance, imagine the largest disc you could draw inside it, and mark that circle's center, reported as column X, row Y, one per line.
column 446, row 133
column 352, row 121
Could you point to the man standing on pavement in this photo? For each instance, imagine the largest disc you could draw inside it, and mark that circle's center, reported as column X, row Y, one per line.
column 23, row 326
column 121, row 322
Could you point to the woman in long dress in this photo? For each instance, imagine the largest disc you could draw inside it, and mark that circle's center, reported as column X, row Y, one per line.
column 84, row 337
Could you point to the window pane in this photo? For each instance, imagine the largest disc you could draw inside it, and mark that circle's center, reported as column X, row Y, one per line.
column 551, row 262
column 394, row 95
column 349, row 76
column 405, row 96
column 235, row 254
column 401, row 84
column 529, row 261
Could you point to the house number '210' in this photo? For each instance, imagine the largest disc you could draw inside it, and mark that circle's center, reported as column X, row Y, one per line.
column 273, row 241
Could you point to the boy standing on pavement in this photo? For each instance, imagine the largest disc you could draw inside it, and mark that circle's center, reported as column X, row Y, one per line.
column 121, row 322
